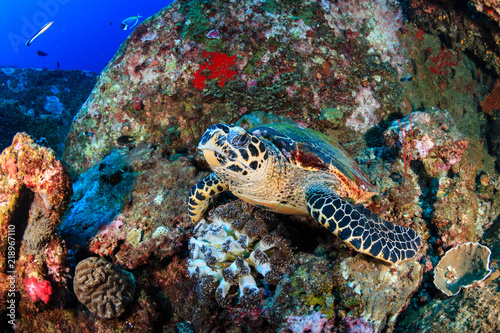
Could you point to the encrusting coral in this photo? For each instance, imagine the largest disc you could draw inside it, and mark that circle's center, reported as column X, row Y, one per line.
column 35, row 188
column 232, row 248
column 492, row 101
column 103, row 288
column 461, row 267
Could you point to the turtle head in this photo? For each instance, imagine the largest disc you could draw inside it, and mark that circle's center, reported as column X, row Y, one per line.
column 233, row 153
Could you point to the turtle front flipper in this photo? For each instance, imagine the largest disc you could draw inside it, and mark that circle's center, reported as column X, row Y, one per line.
column 201, row 193
column 360, row 228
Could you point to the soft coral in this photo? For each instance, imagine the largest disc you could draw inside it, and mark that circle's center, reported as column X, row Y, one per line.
column 219, row 69
column 38, row 289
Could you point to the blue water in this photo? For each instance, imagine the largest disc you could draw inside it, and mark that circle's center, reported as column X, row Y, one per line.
column 85, row 33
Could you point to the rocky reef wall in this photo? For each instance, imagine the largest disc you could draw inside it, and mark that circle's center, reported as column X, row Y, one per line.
column 41, row 103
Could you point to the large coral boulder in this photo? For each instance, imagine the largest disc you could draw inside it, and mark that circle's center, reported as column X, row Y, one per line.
column 324, row 65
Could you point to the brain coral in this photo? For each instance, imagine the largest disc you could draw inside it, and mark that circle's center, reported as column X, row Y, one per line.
column 102, row 287
column 232, row 249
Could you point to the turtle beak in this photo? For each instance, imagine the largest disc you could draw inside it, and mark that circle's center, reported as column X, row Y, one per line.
column 209, row 145
column 204, row 140
column 209, row 141
column 210, row 157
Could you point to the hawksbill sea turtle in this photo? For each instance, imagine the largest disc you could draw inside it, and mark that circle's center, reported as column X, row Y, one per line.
column 293, row 170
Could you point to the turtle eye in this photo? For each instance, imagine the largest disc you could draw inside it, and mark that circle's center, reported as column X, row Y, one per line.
column 240, row 140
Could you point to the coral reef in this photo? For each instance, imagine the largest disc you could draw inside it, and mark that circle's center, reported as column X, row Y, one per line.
column 455, row 86
column 437, row 143
column 331, row 285
column 342, row 68
column 41, row 103
column 103, row 288
column 230, row 249
column 131, row 206
column 35, row 188
column 462, row 27
column 474, row 309
column 462, row 266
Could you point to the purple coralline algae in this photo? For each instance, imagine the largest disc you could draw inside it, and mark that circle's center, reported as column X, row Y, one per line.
column 302, row 324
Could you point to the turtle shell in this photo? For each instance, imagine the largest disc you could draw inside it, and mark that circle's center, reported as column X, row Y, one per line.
column 308, row 149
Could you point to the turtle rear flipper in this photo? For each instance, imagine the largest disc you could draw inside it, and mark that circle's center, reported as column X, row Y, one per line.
column 361, row 229
column 201, row 193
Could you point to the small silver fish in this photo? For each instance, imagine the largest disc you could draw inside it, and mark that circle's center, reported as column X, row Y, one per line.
column 39, row 32
column 130, row 22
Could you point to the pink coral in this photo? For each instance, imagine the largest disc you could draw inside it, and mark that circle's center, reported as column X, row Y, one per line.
column 363, row 117
column 38, row 289
column 357, row 325
column 312, row 323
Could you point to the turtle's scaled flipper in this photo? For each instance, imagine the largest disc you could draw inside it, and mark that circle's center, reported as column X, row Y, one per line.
column 201, row 193
column 361, row 229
